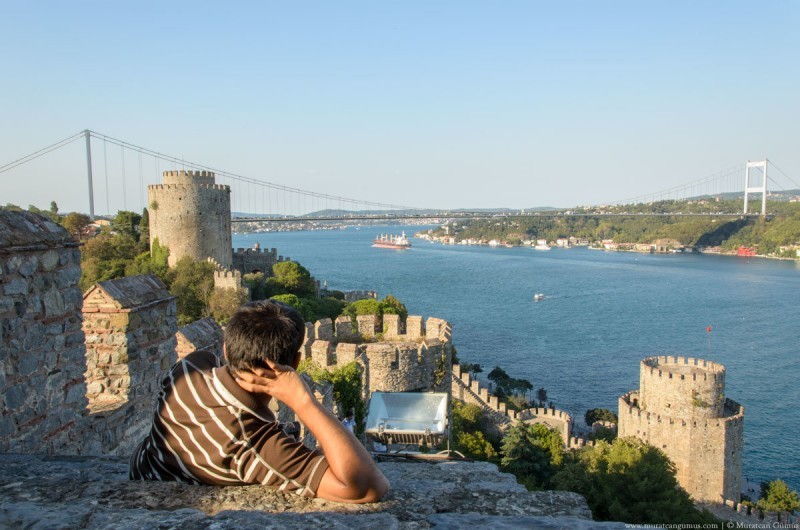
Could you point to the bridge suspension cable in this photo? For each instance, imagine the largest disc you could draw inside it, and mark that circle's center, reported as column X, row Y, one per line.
column 244, row 179
column 41, row 152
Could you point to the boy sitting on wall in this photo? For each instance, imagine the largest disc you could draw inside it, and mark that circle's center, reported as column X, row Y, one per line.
column 213, row 426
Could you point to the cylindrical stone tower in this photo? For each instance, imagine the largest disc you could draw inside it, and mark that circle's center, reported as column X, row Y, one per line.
column 681, row 409
column 191, row 215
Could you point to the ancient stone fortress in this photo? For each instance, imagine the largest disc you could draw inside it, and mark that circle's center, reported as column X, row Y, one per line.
column 79, row 373
column 681, row 409
column 191, row 214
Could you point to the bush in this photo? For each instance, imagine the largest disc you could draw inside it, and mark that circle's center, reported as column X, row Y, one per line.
column 594, row 415
column 467, row 430
column 223, row 303
column 776, row 497
column 532, row 453
column 347, row 384
column 629, row 481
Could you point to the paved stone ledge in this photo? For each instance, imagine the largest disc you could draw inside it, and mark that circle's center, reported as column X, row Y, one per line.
column 84, row 492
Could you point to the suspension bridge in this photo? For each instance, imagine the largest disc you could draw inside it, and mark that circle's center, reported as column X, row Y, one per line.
column 117, row 174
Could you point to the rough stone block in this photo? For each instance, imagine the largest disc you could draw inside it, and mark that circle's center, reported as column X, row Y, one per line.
column 16, row 286
column 391, row 326
column 53, row 303
column 346, row 353
column 28, row 266
column 48, row 260
column 415, row 327
column 344, row 327
column 15, row 397
column 28, row 364
column 323, row 329
column 366, row 325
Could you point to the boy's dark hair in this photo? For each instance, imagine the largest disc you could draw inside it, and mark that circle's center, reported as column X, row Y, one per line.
column 262, row 330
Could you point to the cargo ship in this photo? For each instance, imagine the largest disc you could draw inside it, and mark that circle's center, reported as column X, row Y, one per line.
column 389, row 241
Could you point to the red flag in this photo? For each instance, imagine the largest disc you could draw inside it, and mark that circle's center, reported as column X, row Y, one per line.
column 708, row 329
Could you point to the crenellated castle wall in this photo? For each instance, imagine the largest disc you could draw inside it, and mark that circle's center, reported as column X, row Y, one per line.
column 191, row 215
column 469, row 390
column 690, row 385
column 415, row 359
column 681, row 409
column 255, row 259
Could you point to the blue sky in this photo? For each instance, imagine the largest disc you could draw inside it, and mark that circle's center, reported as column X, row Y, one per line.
column 429, row 104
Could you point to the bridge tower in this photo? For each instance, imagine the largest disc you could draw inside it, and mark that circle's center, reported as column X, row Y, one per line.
column 191, row 215
column 756, row 189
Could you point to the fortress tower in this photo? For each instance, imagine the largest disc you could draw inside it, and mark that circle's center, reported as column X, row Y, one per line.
column 681, row 409
column 191, row 215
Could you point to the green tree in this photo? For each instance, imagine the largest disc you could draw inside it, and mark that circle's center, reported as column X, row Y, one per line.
column 294, row 278
column 192, row 284
column 393, row 306
column 53, row 208
column 468, row 426
column 298, row 303
column 152, row 262
column 347, row 383
column 144, row 230
column 777, row 497
column 473, row 368
column 326, row 307
column 594, row 415
column 127, row 223
column 368, row 306
column 256, row 282
column 628, row 481
column 498, row 374
column 532, row 453
column 75, row 223
column 223, row 303
column 541, row 396
column 105, row 257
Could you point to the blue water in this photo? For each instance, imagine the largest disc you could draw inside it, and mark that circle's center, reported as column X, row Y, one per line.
column 603, row 313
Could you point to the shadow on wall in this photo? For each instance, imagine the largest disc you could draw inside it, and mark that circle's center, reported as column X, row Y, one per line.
column 78, row 373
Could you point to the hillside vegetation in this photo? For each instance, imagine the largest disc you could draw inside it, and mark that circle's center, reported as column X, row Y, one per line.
column 781, row 228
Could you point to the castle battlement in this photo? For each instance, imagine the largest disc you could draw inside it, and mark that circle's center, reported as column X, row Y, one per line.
column 162, row 187
column 629, row 405
column 256, row 251
column 400, row 362
column 469, row 390
column 416, row 329
column 694, row 387
column 224, row 274
column 187, row 173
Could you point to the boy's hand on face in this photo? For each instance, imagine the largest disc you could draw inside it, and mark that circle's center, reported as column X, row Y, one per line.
column 279, row 381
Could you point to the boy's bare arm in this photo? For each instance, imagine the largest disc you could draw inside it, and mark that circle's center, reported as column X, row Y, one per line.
column 352, row 475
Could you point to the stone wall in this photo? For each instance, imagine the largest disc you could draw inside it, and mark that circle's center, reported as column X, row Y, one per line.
column 93, row 493
column 415, row 359
column 469, row 390
column 42, row 389
column 191, row 216
column 255, row 259
column 130, row 326
column 204, row 334
column 682, row 410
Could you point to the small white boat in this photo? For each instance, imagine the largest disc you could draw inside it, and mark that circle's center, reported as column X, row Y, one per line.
column 538, row 296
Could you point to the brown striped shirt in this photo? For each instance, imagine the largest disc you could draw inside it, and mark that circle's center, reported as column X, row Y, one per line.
column 209, row 430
